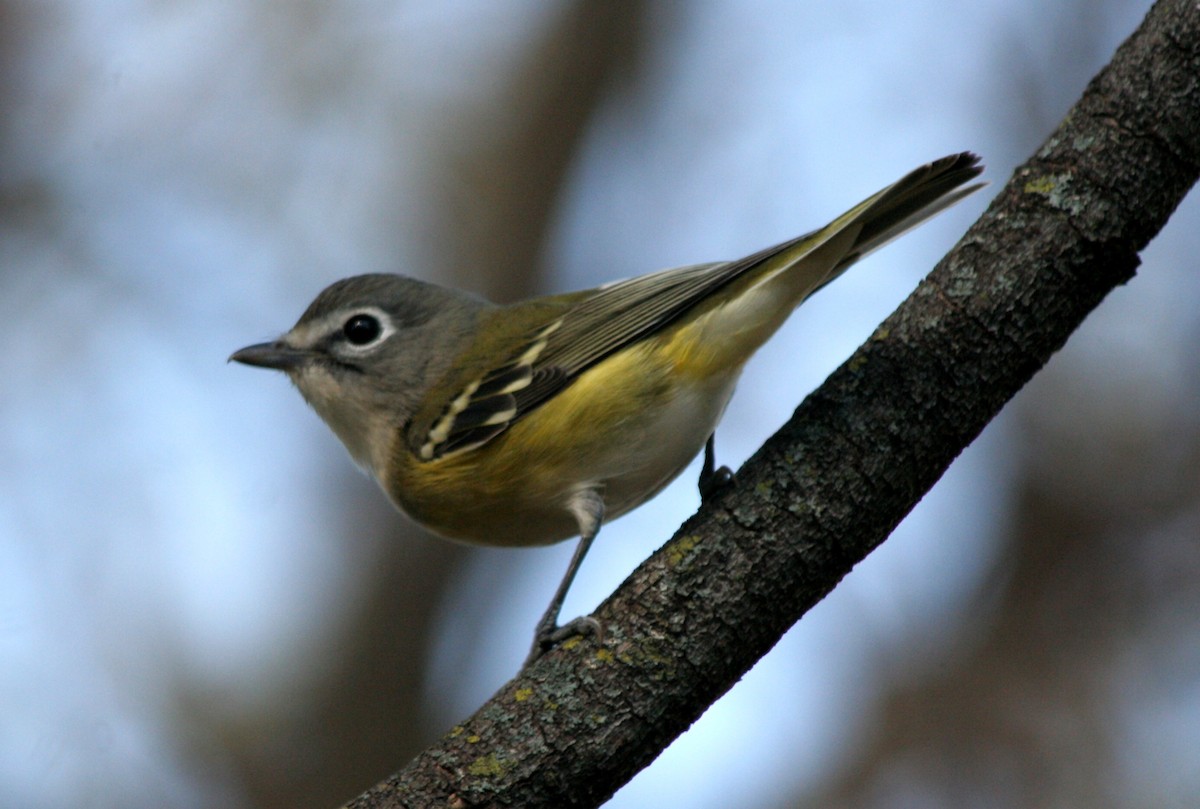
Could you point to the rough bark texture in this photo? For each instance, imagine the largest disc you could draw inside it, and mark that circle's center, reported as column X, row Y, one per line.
column 854, row 459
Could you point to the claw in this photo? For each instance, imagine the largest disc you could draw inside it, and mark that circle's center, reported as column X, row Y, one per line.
column 547, row 637
column 712, row 477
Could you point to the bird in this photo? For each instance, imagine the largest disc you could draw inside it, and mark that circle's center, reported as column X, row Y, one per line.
column 530, row 423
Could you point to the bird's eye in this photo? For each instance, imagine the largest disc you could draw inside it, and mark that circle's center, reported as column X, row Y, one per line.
column 361, row 329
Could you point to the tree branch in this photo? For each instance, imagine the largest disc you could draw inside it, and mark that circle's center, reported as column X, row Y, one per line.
column 854, row 459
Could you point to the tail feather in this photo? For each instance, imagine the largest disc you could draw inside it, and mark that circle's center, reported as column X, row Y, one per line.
column 914, row 198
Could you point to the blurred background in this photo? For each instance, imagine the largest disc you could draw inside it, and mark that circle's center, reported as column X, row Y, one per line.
column 204, row 604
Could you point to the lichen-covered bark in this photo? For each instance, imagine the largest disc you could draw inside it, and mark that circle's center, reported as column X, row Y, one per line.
column 854, row 459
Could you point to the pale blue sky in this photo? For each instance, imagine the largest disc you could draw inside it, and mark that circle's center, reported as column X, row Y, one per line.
column 161, row 523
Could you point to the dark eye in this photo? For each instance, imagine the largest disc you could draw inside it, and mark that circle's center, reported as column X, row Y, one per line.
column 362, row 329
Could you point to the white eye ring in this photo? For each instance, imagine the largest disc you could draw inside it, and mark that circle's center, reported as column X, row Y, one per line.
column 364, row 329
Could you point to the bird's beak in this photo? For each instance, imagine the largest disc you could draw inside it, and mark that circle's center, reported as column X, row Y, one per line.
column 277, row 355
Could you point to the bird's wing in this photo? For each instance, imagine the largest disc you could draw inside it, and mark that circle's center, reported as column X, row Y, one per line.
column 572, row 333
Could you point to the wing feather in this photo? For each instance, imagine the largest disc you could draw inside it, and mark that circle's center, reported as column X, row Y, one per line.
column 589, row 327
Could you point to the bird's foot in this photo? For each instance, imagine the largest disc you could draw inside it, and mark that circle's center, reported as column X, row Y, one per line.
column 713, row 480
column 549, row 635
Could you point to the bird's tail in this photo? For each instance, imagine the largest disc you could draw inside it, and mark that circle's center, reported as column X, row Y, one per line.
column 765, row 287
column 906, row 203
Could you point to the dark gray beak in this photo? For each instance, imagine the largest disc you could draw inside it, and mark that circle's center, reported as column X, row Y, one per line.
column 277, row 355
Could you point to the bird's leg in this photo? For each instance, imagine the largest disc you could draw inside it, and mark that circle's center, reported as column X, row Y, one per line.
column 588, row 506
column 712, row 477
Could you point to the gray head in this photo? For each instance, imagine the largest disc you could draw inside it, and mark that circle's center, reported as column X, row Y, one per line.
column 366, row 351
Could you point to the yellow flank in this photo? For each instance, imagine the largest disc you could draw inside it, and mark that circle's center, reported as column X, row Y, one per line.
column 728, row 329
column 718, row 341
column 690, row 354
column 662, row 396
column 520, row 497
column 517, row 488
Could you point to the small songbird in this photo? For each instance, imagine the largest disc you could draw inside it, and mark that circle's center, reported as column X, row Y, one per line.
column 534, row 422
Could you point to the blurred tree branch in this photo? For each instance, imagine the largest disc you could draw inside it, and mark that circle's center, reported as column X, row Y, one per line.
column 493, row 192
column 505, row 188
column 854, row 459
